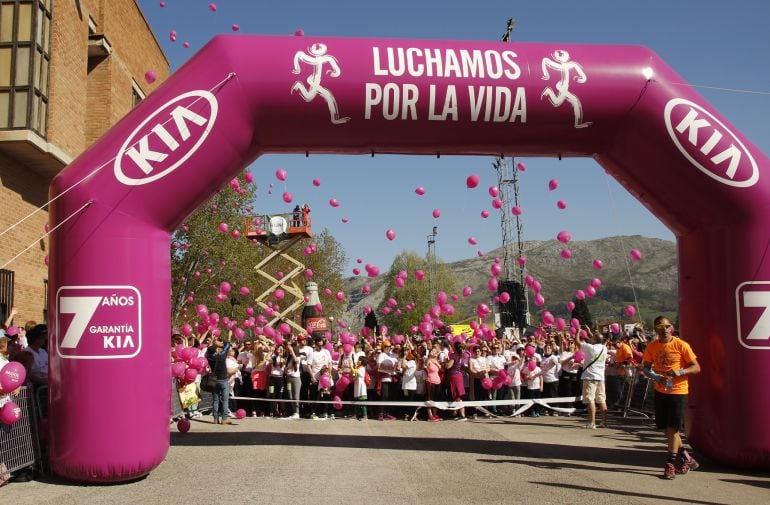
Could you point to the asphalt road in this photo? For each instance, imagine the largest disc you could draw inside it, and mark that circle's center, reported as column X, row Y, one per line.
column 545, row 460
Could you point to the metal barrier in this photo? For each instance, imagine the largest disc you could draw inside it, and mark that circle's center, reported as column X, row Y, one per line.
column 639, row 398
column 19, row 445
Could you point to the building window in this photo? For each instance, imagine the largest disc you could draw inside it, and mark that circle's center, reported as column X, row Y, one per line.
column 25, row 57
column 137, row 95
column 6, row 294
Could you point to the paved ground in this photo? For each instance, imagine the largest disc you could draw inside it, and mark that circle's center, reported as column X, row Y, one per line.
column 543, row 461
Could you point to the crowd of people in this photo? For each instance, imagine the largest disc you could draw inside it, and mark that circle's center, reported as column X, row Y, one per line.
column 303, row 369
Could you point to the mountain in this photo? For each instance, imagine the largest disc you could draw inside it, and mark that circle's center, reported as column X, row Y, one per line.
column 654, row 278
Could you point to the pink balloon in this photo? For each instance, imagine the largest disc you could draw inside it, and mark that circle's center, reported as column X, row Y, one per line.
column 497, row 203
column 516, row 210
column 590, row 291
column 496, row 269
column 531, row 365
column 223, row 227
column 486, row 383
column 420, row 191
column 472, row 240
column 235, row 233
column 492, row 285
column 284, row 328
column 482, row 310
column 190, row 374
column 316, row 182
column 521, row 167
column 529, row 280
column 494, row 191
column 235, row 28
column 340, row 296
column 485, row 214
column 225, row 287
column 419, row 275
column 172, row 36
column 436, row 213
column 391, row 234
column 539, row 300
column 536, row 287
column 12, row 375
column 183, row 425
column 244, row 290
column 615, row 328
column 399, row 281
column 521, row 261
column 564, row 237
column 561, row 204
column 279, row 294
column 579, row 356
column 580, row 294
column 505, row 297
column 467, row 290
column 213, row 7
column 598, row 264
column 630, row 310
column 186, row 45
column 553, row 184
column 547, row 318
column 566, row 253
column 287, row 197
column 280, row 174
column 334, row 202
column 163, row 4
column 635, row 254
column 596, row 282
column 441, row 297
column 529, row 351
column 570, row 306
column 472, row 181
column 150, row 76
column 561, row 324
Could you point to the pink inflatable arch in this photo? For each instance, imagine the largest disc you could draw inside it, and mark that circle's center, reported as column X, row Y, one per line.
column 242, row 96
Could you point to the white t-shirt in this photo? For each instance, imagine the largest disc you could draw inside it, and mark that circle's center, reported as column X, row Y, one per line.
column 550, row 366
column 408, row 380
column 533, row 378
column 496, row 363
column 385, row 362
column 478, row 365
column 359, row 383
column 246, row 358
column 514, row 371
column 317, row 361
column 304, row 360
column 595, row 372
column 569, row 366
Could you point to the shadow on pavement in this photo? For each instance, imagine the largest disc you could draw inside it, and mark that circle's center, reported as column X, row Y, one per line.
column 620, row 493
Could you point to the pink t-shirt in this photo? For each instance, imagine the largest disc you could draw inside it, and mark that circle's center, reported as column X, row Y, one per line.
column 433, row 376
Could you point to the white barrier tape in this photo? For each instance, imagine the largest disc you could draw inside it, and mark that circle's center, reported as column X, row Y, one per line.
column 525, row 404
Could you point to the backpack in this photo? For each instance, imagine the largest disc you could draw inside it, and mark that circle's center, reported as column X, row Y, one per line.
column 367, row 378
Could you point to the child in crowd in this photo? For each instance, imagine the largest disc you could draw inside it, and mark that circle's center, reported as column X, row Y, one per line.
column 359, row 387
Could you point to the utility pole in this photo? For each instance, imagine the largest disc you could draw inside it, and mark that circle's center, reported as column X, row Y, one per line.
column 508, row 184
column 432, row 284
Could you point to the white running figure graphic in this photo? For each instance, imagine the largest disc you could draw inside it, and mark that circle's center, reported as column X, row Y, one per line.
column 317, row 57
column 564, row 65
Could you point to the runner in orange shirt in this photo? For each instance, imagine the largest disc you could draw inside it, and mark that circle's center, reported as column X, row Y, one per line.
column 668, row 361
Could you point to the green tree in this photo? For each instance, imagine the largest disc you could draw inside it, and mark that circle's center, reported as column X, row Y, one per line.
column 202, row 257
column 582, row 314
column 414, row 291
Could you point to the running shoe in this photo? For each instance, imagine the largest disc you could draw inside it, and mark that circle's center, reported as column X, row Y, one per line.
column 669, row 472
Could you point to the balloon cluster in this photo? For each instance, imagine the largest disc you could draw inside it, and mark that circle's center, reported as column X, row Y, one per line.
column 187, row 365
column 12, row 376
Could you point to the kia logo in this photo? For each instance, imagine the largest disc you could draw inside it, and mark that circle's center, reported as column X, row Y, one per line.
column 169, row 141
column 709, row 144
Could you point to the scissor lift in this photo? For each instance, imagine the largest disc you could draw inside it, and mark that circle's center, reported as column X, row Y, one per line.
column 279, row 235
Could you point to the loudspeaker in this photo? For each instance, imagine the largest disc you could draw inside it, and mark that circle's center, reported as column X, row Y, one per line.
column 513, row 313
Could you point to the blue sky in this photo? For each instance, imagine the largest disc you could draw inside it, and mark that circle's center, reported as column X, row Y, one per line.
column 708, row 42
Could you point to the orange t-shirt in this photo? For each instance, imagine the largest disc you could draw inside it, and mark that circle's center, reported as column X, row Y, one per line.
column 623, row 354
column 674, row 355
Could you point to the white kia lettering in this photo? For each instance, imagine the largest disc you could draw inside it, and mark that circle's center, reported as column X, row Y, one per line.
column 704, row 133
column 761, row 330
column 147, row 160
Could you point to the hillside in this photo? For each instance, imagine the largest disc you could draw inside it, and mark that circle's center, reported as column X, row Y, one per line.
column 654, row 278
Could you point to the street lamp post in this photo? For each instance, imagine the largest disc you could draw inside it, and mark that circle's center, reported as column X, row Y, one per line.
column 432, row 285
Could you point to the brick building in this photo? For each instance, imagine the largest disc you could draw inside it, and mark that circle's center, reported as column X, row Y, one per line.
column 69, row 69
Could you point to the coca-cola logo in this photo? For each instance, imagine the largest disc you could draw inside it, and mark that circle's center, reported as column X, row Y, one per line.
column 317, row 324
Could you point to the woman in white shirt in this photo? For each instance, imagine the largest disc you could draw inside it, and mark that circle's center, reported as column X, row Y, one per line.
column 478, row 371
column 275, row 386
column 550, row 366
column 408, row 380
